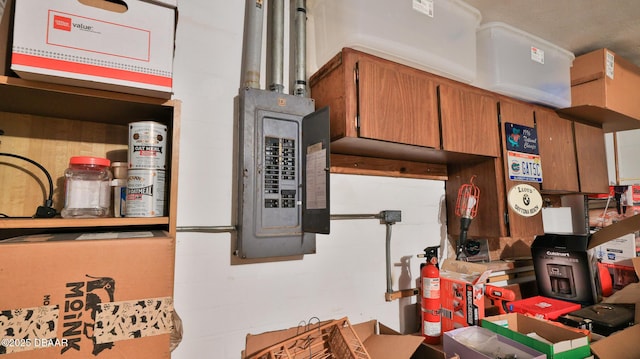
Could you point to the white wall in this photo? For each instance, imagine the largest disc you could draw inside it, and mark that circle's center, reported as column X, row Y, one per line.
column 220, row 303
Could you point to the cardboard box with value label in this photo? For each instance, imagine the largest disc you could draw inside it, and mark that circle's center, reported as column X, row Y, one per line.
column 96, row 43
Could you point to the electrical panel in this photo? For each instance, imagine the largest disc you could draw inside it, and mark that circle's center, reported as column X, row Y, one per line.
column 283, row 189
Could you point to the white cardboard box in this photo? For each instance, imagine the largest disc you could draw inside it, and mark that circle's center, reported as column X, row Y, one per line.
column 73, row 43
column 618, row 251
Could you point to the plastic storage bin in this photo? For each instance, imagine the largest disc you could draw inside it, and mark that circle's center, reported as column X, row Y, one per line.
column 518, row 64
column 438, row 36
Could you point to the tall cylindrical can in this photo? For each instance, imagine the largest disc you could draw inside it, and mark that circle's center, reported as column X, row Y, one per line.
column 147, row 145
column 145, row 193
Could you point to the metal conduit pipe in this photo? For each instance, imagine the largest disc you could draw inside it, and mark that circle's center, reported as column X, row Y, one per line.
column 275, row 21
column 253, row 44
column 300, row 20
column 207, row 229
column 388, row 218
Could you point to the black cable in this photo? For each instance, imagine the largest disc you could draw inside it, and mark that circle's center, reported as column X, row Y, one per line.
column 47, row 210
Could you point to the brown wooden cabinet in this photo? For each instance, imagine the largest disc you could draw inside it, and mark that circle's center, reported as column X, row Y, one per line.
column 516, row 112
column 49, row 123
column 557, row 152
column 384, row 110
column 591, row 158
column 572, row 153
column 391, row 119
column 469, row 120
column 376, row 103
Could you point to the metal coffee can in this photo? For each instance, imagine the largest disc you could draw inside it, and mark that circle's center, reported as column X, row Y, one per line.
column 145, row 193
column 147, row 145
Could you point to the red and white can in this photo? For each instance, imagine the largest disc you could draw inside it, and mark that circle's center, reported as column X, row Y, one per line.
column 147, row 145
column 145, row 193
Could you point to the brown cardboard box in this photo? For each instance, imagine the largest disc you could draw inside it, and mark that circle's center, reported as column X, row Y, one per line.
column 61, row 298
column 623, row 344
column 462, row 293
column 380, row 341
column 603, row 87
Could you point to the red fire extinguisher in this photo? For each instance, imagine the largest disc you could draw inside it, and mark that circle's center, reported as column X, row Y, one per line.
column 430, row 303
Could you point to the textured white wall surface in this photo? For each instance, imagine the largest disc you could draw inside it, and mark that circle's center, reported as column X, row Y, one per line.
column 220, row 302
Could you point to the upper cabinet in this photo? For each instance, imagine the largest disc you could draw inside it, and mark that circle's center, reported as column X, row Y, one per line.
column 392, row 103
column 376, row 103
column 591, row 158
column 469, row 120
column 522, row 114
column 557, row 152
column 383, row 109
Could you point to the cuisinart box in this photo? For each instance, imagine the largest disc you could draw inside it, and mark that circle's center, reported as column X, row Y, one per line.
column 95, row 43
column 566, row 264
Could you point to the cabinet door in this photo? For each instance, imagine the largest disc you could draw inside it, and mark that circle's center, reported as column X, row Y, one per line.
column 627, row 146
column 396, row 103
column 557, row 152
column 519, row 226
column 469, row 119
column 592, row 162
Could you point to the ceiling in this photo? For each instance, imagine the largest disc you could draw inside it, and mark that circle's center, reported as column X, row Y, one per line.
column 579, row 26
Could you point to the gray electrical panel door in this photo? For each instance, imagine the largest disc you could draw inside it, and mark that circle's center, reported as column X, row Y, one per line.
column 271, row 171
column 315, row 176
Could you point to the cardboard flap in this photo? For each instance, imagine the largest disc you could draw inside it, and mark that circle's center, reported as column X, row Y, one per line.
column 257, row 342
column 366, row 329
column 618, row 345
column 481, row 271
column 392, row 346
column 616, row 230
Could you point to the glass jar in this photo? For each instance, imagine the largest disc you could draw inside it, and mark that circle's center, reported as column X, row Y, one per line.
column 87, row 188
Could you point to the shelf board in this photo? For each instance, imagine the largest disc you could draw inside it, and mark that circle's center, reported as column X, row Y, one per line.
column 37, row 223
column 47, row 99
column 608, row 119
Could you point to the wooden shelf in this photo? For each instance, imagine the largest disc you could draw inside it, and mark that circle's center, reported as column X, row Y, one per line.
column 49, row 123
column 27, row 223
column 52, row 100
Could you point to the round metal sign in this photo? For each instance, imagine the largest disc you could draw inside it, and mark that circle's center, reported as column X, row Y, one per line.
column 525, row 200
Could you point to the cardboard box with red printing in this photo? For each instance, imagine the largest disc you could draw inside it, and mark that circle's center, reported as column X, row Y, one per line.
column 78, row 299
column 96, row 44
column 462, row 293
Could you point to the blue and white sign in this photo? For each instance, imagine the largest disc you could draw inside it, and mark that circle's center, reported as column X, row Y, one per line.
column 524, row 167
column 523, row 155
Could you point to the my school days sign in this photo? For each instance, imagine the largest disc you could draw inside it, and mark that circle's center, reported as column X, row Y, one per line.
column 522, row 153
